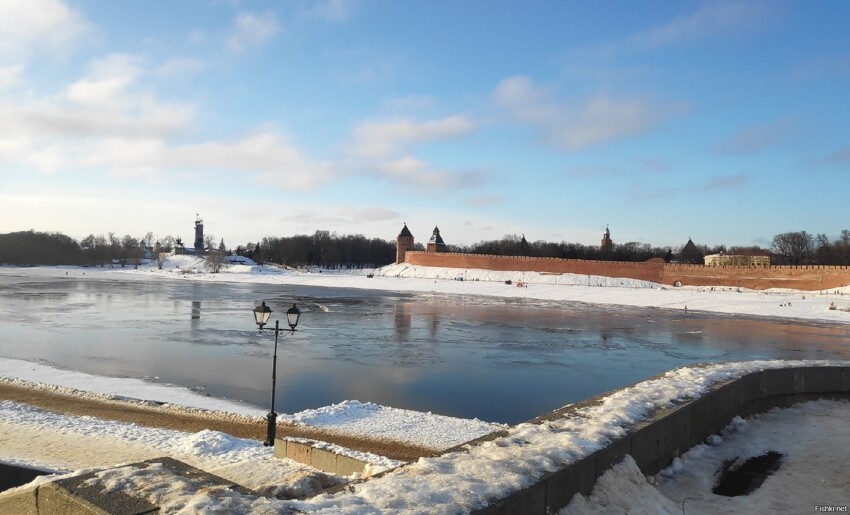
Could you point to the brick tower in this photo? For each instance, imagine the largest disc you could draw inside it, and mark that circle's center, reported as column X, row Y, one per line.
column 403, row 243
column 436, row 243
column 606, row 243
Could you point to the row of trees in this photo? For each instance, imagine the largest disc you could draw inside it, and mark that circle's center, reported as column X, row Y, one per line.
column 39, row 248
column 324, row 249
column 801, row 248
column 331, row 250
column 106, row 248
column 513, row 245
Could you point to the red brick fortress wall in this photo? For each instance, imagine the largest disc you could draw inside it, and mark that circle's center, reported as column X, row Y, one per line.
column 650, row 271
column 760, row 277
column 755, row 277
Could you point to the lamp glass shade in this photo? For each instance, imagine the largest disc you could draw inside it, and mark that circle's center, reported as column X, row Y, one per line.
column 292, row 316
column 262, row 314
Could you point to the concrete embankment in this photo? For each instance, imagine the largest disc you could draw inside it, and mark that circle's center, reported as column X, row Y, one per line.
column 658, row 439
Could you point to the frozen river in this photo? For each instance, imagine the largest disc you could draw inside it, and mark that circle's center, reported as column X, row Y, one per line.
column 499, row 360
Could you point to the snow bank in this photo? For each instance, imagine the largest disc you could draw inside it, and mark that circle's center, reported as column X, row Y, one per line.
column 352, row 418
column 39, row 376
column 406, row 270
column 356, row 418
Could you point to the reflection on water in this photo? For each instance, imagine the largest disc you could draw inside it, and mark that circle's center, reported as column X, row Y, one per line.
column 495, row 359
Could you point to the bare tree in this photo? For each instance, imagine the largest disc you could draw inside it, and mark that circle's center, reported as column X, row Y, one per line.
column 166, row 243
column 160, row 258
column 214, row 261
column 209, row 241
column 796, row 248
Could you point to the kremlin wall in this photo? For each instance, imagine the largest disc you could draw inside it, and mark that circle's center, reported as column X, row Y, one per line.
column 756, row 277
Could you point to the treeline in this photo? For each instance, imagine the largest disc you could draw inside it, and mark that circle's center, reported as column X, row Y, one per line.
column 324, row 249
column 39, row 248
column 54, row 248
column 330, row 250
column 513, row 245
column 801, row 248
column 108, row 248
column 790, row 248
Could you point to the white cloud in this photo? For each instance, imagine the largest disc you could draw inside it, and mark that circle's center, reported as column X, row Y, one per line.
column 330, row 10
column 483, row 200
column 10, row 76
column 754, row 139
column 710, row 19
column 104, row 102
column 409, row 103
column 712, row 184
column 271, row 159
column 602, row 119
column 824, row 67
column 334, row 215
column 406, row 166
column 577, row 124
column 48, row 119
column 413, row 172
column 838, row 157
column 251, row 30
column 179, row 66
column 33, row 26
column 373, row 139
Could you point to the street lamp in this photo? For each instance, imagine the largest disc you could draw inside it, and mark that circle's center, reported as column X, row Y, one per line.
column 261, row 316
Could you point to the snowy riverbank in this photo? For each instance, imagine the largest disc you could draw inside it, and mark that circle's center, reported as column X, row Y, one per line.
column 462, row 481
column 831, row 306
column 455, row 482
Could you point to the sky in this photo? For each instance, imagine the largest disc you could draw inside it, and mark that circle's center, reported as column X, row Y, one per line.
column 721, row 121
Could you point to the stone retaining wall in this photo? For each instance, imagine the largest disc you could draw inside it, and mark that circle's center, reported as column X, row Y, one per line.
column 656, row 441
column 317, row 458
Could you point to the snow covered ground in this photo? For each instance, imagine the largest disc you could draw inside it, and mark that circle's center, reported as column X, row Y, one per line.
column 814, row 472
column 455, row 482
column 348, row 418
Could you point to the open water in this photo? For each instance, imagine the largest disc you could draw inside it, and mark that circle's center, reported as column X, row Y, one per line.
column 502, row 360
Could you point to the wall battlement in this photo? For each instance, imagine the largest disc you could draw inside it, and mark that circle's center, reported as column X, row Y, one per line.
column 803, row 277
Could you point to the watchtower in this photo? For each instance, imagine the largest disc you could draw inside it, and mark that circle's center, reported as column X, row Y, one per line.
column 606, row 243
column 403, row 243
column 199, row 235
column 436, row 243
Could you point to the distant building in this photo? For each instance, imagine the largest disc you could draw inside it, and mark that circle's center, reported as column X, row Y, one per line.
column 690, row 254
column 724, row 259
column 436, row 243
column 179, row 248
column 403, row 243
column 238, row 260
column 606, row 243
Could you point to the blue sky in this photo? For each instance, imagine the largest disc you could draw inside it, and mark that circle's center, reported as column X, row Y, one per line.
column 723, row 121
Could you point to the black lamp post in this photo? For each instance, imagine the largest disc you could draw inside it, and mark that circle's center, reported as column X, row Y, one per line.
column 261, row 316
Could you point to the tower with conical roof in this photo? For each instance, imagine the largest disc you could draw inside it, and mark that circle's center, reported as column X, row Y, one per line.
column 691, row 254
column 606, row 243
column 403, row 243
column 436, row 243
